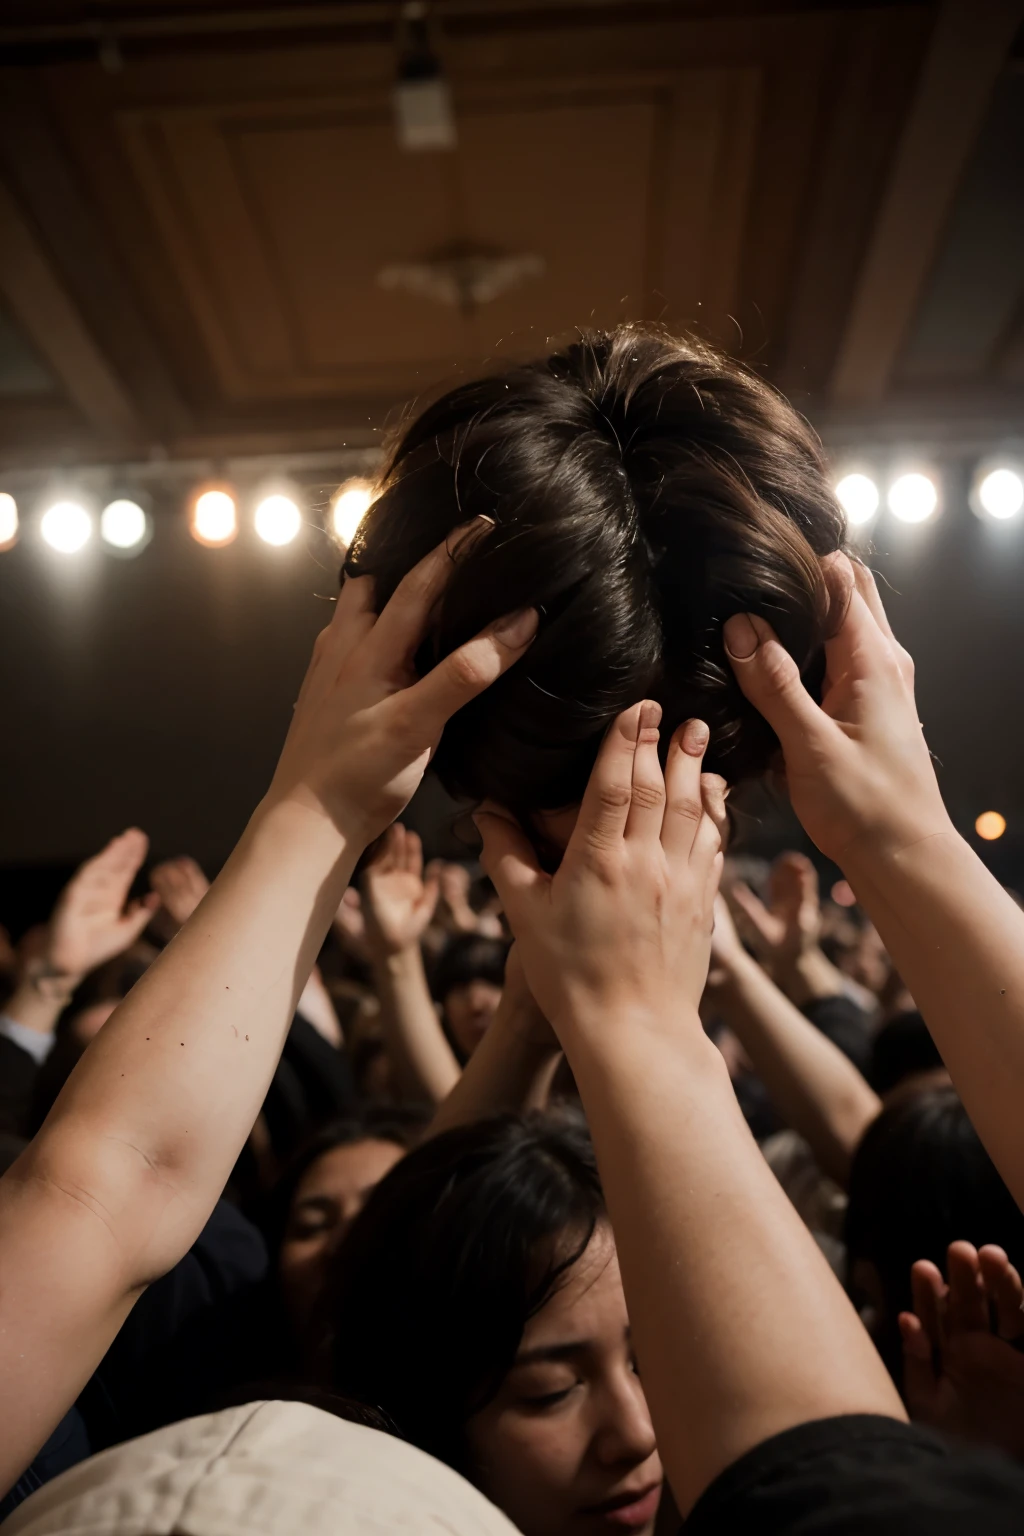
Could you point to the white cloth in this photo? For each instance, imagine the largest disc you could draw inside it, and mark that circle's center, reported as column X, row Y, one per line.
column 34, row 1041
column 265, row 1469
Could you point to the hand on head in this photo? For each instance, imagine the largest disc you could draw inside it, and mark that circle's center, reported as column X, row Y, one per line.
column 365, row 725
column 857, row 766
column 624, row 925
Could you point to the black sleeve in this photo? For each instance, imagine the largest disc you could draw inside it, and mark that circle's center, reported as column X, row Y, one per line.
column 857, row 1474
column 178, row 1342
column 843, row 1022
column 18, row 1073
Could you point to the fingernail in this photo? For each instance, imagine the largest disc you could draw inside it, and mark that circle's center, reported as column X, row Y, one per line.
column 695, row 737
column 740, row 637
column 517, row 629
column 650, row 715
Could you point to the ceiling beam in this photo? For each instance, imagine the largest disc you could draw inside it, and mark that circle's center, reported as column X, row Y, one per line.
column 42, row 308
column 967, row 52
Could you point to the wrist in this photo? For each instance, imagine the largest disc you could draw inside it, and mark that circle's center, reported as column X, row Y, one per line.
column 614, row 1031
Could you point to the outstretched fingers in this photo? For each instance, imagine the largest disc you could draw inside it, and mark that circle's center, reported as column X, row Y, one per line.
column 687, row 831
column 608, row 796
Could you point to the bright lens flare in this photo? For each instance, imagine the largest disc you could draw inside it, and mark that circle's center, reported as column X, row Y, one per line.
column 349, row 507
column 1001, row 493
column 858, row 497
column 8, row 520
column 278, row 520
column 913, row 498
column 214, row 518
column 66, row 527
column 990, row 825
column 123, row 524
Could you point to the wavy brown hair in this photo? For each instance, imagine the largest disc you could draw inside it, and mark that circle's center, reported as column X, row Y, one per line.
column 641, row 489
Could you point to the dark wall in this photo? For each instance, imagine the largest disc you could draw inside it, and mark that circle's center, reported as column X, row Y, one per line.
column 157, row 690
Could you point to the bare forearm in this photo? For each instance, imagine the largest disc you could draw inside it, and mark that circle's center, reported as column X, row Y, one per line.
column 957, row 940
column 742, row 1330
column 425, row 1061
column 809, row 976
column 814, row 1086
column 172, row 1085
column 509, row 1070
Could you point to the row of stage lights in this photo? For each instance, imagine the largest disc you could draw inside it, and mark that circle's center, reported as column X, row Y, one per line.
column 997, row 492
column 67, row 524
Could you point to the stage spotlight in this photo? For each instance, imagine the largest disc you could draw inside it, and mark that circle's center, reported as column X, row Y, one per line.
column 990, row 825
column 124, row 525
column 278, row 520
column 913, row 498
column 999, row 494
column 8, row 520
column 349, row 507
column 858, row 497
column 214, row 518
column 66, row 527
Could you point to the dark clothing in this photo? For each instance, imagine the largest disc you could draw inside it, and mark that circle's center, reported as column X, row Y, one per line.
column 862, row 1474
column 18, row 1073
column 845, row 1023
column 194, row 1336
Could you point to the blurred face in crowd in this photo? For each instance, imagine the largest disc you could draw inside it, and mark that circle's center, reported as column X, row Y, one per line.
column 567, row 1445
column 469, row 1009
column 329, row 1196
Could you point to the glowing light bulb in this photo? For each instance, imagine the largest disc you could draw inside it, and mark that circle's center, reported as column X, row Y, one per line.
column 214, row 518
column 66, row 527
column 1001, row 494
column 278, row 520
column 990, row 825
column 913, row 498
column 858, row 497
column 349, row 507
column 8, row 520
column 123, row 524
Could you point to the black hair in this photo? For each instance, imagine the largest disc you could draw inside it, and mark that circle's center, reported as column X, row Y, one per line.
column 920, row 1180
column 456, row 1249
column 468, row 957
column 902, row 1048
column 402, row 1126
column 639, row 489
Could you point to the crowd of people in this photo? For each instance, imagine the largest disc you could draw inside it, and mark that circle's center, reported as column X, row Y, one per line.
column 617, row 1181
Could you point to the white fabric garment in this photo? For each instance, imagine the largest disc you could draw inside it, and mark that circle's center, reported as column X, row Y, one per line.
column 265, row 1469
column 35, row 1042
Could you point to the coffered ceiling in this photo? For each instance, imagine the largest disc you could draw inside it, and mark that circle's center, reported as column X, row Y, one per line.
column 207, row 222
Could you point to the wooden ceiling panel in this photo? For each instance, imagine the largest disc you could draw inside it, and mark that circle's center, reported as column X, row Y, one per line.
column 217, row 211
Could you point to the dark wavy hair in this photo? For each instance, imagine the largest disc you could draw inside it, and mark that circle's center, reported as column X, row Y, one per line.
column 457, row 1247
column 641, row 488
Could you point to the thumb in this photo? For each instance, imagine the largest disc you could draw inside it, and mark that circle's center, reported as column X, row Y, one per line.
column 508, row 858
column 137, row 917
column 770, row 679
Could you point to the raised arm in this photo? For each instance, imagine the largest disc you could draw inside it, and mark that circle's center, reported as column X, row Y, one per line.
column 862, row 782
column 741, row 1328
column 124, row 1173
column 398, row 904
column 813, row 1085
column 514, row 1065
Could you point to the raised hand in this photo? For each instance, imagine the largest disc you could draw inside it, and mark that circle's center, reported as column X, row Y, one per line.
column 963, row 1372
column 91, row 922
column 398, row 902
column 857, row 766
column 789, row 924
column 181, row 886
column 622, row 930
column 365, row 726
column 350, row 924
